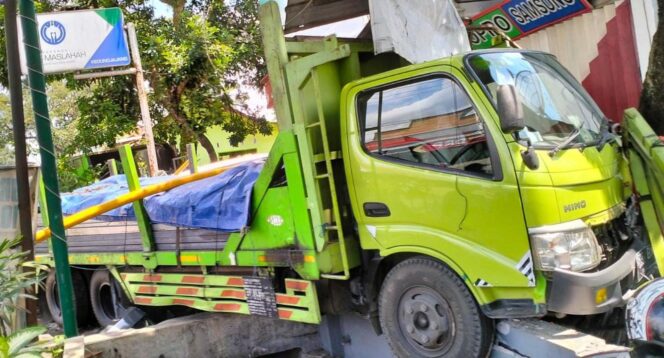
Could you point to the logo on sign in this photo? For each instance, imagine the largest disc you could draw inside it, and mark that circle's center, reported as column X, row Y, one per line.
column 53, row 32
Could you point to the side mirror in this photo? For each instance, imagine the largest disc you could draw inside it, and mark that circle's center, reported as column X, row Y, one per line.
column 510, row 110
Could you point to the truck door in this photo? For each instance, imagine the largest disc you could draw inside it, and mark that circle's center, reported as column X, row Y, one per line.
column 426, row 170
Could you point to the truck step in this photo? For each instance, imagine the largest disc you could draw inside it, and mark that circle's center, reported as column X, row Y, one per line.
column 320, row 157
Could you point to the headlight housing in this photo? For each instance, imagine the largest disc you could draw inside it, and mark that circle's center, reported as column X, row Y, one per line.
column 569, row 246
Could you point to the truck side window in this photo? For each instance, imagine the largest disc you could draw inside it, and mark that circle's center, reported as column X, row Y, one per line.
column 430, row 122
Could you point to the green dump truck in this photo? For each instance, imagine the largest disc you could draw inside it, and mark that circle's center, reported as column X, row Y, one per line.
column 433, row 198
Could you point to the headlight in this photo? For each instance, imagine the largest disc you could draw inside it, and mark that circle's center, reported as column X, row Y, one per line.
column 570, row 246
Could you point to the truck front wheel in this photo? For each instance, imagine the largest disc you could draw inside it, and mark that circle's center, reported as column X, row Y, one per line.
column 427, row 311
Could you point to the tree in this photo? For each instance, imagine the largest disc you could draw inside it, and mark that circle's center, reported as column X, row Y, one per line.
column 62, row 104
column 6, row 139
column 651, row 104
column 195, row 64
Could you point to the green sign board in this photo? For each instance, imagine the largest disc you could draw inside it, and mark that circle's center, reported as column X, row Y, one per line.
column 517, row 18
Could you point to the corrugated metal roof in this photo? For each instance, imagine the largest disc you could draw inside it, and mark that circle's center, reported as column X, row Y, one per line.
column 304, row 14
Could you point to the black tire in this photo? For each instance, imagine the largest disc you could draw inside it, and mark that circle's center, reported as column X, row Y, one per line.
column 81, row 298
column 104, row 299
column 427, row 311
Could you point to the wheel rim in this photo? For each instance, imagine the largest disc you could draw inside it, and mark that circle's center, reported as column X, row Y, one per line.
column 106, row 300
column 426, row 321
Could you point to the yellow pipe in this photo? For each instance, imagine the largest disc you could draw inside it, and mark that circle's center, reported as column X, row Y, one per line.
column 94, row 211
column 182, row 167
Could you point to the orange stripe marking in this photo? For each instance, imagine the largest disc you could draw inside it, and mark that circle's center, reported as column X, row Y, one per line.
column 227, row 307
column 284, row 314
column 152, row 278
column 186, row 291
column 297, row 285
column 235, row 281
column 143, row 301
column 193, row 279
column 287, row 300
column 146, row 289
column 180, row 301
column 232, row 293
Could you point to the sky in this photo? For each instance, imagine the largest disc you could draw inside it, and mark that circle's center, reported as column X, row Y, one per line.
column 161, row 9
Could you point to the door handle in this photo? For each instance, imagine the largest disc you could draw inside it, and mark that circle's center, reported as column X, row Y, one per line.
column 376, row 210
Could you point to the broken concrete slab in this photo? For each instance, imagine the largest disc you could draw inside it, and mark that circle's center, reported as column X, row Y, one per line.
column 538, row 338
column 74, row 347
column 206, row 335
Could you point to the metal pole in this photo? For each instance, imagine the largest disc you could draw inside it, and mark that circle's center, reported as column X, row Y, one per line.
column 18, row 126
column 143, row 99
column 192, row 158
column 93, row 75
column 112, row 167
column 49, row 169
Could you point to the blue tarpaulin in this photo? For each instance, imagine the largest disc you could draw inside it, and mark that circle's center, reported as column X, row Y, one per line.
column 221, row 202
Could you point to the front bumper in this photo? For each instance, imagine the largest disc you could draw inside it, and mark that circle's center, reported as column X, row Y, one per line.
column 581, row 293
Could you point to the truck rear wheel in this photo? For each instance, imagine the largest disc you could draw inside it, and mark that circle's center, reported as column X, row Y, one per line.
column 427, row 311
column 81, row 298
column 104, row 299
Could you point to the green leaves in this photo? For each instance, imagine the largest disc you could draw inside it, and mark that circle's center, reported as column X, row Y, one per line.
column 17, row 344
column 195, row 68
column 18, row 341
column 14, row 281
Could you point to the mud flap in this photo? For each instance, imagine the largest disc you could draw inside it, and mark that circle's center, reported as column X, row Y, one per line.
column 645, row 152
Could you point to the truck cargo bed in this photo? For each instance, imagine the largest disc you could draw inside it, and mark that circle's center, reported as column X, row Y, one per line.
column 96, row 236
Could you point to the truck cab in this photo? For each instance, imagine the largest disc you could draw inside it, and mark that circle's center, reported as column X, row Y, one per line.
column 498, row 165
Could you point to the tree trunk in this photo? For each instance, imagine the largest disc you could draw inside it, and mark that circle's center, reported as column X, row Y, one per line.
column 189, row 132
column 178, row 8
column 651, row 104
column 209, row 147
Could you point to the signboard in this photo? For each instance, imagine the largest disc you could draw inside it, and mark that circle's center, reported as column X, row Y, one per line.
column 81, row 40
column 517, row 18
column 260, row 296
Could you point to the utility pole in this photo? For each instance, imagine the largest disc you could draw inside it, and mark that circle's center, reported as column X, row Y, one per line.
column 18, row 126
column 142, row 99
column 49, row 169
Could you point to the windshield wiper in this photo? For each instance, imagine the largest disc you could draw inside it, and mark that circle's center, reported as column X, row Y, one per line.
column 567, row 140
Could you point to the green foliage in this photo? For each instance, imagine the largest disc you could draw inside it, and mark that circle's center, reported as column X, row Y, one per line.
column 651, row 103
column 73, row 177
column 6, row 139
column 14, row 282
column 195, row 65
column 17, row 344
column 109, row 109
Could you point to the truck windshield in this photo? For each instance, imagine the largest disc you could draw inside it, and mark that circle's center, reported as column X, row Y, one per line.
column 556, row 108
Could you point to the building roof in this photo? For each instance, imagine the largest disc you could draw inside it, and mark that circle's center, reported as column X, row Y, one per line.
column 304, row 14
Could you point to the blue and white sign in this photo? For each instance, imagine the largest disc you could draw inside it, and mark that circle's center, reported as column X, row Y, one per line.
column 82, row 40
